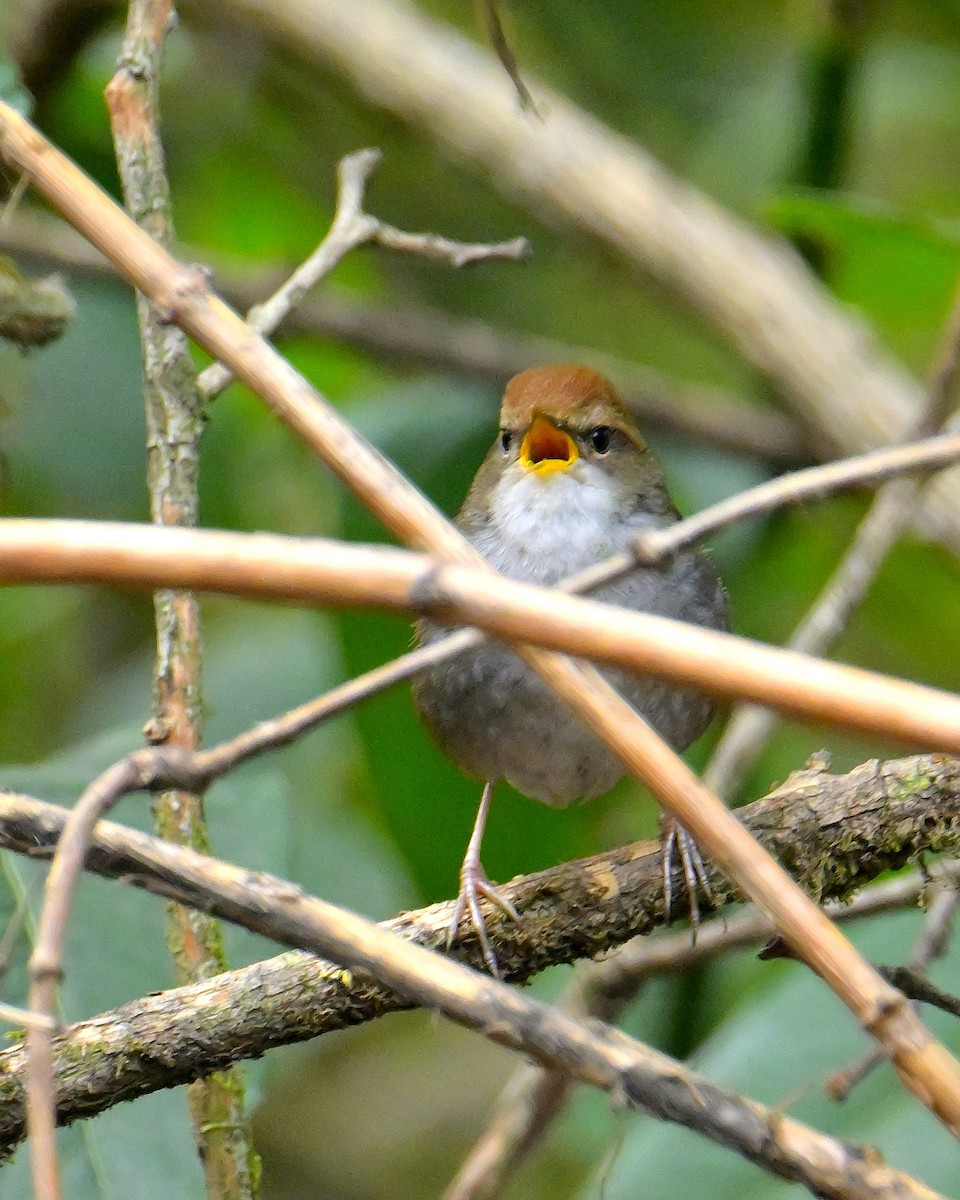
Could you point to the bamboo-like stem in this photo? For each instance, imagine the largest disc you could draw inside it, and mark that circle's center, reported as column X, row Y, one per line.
column 317, row 570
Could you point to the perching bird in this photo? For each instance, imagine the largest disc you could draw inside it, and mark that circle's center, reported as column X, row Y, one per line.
column 567, row 483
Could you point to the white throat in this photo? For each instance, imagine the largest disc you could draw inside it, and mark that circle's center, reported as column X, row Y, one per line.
column 543, row 528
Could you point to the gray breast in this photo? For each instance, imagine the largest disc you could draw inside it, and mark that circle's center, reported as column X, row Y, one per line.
column 497, row 720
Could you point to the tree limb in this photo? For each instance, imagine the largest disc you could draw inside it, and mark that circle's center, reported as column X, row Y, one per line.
column 890, row 813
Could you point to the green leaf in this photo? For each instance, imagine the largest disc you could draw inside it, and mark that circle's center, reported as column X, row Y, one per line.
column 900, row 273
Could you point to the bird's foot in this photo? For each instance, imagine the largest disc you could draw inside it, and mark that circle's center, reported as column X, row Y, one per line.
column 676, row 842
column 474, row 884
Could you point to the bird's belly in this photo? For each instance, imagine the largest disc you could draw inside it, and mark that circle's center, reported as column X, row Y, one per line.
column 498, row 720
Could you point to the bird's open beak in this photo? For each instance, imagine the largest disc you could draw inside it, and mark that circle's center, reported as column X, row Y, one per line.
column 545, row 448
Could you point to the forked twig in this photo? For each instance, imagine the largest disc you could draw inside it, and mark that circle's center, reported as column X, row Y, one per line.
column 413, row 334
column 353, row 227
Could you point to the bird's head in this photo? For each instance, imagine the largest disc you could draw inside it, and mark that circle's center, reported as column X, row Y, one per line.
column 564, row 427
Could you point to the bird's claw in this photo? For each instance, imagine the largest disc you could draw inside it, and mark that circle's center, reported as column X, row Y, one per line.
column 675, row 840
column 474, row 884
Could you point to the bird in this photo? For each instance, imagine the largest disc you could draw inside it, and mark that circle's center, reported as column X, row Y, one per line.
column 567, row 483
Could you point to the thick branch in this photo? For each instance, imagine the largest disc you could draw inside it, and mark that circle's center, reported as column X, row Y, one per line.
column 890, row 813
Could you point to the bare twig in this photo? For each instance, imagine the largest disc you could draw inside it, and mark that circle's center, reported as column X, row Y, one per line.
column 285, row 729
column 749, row 726
column 810, row 484
column 918, row 987
column 922, row 1063
column 433, row 337
column 931, row 946
column 938, row 925
column 533, row 1096
column 889, row 515
column 353, row 227
column 503, row 51
column 527, row 1108
column 656, row 546
column 571, row 169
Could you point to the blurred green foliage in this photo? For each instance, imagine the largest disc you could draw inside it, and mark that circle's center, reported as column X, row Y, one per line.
column 366, row 812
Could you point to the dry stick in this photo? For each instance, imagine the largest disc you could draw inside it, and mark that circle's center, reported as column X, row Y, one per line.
column 216, row 1103
column 432, row 337
column 817, row 481
column 319, row 570
column 749, row 726
column 656, row 545
column 919, row 988
column 504, row 51
column 534, row 1095
column 108, row 553
column 529, row 1101
column 596, row 1055
column 353, row 227
column 931, row 945
column 923, row 1064
column 532, row 1099
column 906, row 807
column 174, row 413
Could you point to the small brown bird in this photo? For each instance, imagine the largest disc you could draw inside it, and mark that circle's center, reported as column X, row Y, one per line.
column 567, row 483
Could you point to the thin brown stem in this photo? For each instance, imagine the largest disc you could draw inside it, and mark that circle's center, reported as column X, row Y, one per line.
column 514, row 1130
column 572, row 170
column 174, row 413
column 891, row 512
column 317, row 570
column 533, row 1096
column 410, row 334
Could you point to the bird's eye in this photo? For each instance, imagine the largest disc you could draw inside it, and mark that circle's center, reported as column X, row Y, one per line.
column 600, row 438
column 506, row 438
